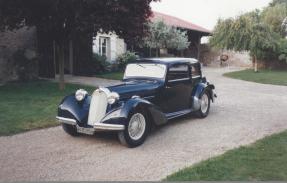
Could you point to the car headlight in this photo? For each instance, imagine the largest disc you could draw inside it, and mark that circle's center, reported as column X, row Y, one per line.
column 113, row 97
column 80, row 94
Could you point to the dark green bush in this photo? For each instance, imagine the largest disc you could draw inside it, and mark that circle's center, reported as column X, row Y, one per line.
column 99, row 64
column 25, row 65
column 126, row 58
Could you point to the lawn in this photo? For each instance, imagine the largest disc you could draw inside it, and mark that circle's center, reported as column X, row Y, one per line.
column 27, row 106
column 263, row 76
column 265, row 160
column 112, row 75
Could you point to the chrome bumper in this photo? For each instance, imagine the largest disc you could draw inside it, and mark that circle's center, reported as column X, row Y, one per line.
column 97, row 126
column 67, row 121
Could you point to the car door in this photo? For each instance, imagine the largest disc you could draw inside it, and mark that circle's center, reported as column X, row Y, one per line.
column 177, row 90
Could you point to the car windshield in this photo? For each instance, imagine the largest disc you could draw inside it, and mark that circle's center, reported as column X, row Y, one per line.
column 145, row 70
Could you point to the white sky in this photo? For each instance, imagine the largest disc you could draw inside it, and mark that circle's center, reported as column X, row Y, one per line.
column 206, row 12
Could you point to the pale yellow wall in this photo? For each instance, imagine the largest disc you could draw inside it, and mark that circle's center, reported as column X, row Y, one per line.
column 116, row 46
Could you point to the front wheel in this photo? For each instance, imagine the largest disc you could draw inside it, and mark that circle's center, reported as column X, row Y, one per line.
column 136, row 130
column 204, row 105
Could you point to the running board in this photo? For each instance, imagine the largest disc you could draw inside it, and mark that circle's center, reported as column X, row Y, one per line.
column 177, row 114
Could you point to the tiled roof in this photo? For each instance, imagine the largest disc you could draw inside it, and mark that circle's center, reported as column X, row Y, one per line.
column 177, row 22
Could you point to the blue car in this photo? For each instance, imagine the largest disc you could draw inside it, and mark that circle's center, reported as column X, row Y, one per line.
column 153, row 91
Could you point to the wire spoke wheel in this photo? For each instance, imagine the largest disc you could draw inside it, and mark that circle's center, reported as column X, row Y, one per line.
column 136, row 126
column 204, row 103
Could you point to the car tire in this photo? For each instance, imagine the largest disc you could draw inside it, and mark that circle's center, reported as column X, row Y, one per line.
column 204, row 105
column 137, row 121
column 70, row 129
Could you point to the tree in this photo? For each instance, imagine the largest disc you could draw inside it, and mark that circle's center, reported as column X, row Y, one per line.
column 245, row 33
column 276, row 2
column 284, row 26
column 274, row 16
column 161, row 35
column 283, row 50
column 65, row 19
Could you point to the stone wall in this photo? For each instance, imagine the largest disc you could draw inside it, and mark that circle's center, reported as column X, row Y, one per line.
column 211, row 57
column 10, row 42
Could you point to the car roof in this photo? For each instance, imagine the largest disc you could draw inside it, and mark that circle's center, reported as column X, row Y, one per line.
column 168, row 61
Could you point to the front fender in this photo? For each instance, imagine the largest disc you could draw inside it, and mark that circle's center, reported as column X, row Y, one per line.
column 72, row 109
column 122, row 114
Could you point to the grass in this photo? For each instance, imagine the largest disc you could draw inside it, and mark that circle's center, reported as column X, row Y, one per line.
column 27, row 106
column 264, row 76
column 112, row 75
column 264, row 160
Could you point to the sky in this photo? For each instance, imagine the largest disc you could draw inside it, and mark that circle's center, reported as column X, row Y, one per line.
column 206, row 12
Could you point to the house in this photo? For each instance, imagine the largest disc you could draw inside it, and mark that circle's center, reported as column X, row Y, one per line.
column 79, row 51
column 110, row 45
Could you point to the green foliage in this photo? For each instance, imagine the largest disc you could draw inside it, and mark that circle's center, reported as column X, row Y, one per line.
column 274, row 16
column 126, row 58
column 276, row 2
column 265, row 160
column 283, row 50
column 25, row 65
column 284, row 27
column 245, row 33
column 164, row 36
column 98, row 64
column 263, row 42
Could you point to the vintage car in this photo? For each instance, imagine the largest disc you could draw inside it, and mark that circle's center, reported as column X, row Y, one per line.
column 152, row 92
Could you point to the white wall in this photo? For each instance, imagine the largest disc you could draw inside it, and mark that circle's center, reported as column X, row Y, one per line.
column 116, row 46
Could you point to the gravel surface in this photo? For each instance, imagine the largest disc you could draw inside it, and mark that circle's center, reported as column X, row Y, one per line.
column 243, row 113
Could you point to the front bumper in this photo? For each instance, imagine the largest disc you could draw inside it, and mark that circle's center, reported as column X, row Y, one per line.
column 96, row 127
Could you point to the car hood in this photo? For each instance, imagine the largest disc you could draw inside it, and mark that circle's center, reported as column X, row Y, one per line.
column 142, row 88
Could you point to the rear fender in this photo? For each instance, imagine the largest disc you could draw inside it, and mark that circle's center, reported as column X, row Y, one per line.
column 197, row 93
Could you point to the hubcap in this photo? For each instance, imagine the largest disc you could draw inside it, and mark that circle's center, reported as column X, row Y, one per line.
column 204, row 103
column 136, row 126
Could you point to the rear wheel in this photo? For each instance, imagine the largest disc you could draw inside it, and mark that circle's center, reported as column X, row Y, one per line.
column 70, row 129
column 204, row 105
column 136, row 130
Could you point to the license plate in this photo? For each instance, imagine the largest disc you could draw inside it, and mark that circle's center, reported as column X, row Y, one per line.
column 88, row 131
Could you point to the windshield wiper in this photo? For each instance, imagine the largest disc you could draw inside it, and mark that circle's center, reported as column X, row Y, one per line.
column 141, row 66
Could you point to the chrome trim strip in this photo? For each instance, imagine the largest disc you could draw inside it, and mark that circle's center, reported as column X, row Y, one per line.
column 149, row 97
column 108, row 127
column 175, row 80
column 195, row 77
column 66, row 120
column 178, row 113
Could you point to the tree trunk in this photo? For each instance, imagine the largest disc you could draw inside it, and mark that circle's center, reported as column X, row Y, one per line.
column 255, row 64
column 150, row 49
column 61, row 66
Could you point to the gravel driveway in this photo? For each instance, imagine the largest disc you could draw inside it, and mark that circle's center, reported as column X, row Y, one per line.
column 243, row 113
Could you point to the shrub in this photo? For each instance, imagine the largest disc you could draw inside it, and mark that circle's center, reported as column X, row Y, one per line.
column 25, row 65
column 126, row 58
column 99, row 64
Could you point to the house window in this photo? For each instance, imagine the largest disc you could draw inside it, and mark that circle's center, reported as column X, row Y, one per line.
column 103, row 46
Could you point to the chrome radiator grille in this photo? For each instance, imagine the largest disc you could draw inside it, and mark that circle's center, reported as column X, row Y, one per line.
column 98, row 107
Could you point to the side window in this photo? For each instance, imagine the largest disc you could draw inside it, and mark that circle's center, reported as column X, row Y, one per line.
column 195, row 71
column 178, row 72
